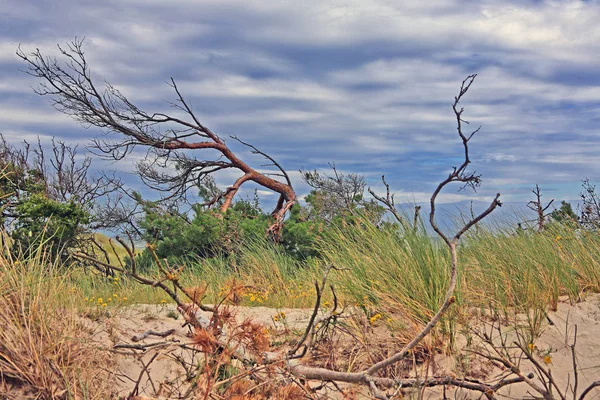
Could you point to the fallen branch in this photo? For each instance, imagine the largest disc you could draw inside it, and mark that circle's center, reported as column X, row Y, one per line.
column 140, row 346
column 145, row 367
column 144, row 335
column 589, row 389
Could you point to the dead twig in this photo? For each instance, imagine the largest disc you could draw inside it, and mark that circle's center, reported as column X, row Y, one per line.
column 144, row 335
column 142, row 347
column 135, row 390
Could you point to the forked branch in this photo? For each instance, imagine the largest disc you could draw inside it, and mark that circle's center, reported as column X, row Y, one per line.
column 458, row 174
column 389, row 203
column 539, row 208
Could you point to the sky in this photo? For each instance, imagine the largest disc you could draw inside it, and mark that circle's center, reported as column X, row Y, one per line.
column 365, row 84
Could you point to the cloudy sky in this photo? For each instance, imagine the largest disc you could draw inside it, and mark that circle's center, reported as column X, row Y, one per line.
column 367, row 84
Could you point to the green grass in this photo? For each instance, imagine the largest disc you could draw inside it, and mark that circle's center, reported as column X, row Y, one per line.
column 533, row 269
column 399, row 275
column 268, row 276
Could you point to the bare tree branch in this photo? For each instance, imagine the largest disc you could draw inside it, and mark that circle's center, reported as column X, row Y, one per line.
column 388, row 202
column 460, row 175
column 171, row 141
column 537, row 206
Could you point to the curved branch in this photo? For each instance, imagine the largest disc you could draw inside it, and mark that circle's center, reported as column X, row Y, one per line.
column 74, row 93
column 457, row 175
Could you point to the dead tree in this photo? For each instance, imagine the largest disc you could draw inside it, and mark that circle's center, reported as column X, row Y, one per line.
column 171, row 141
column 540, row 210
column 369, row 376
column 390, row 205
column 590, row 207
column 335, row 194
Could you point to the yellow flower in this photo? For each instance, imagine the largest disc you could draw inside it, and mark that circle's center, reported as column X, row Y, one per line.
column 547, row 359
column 100, row 301
column 104, row 304
column 115, row 295
column 531, row 346
column 124, row 298
column 280, row 316
column 163, row 301
column 557, row 238
column 326, row 304
column 374, row 318
column 252, row 298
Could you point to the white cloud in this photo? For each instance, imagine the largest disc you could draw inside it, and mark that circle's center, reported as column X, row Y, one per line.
column 11, row 116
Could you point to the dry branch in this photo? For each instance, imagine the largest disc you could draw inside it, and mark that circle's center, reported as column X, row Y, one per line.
column 540, row 210
column 144, row 335
column 459, row 174
column 390, row 205
column 171, row 141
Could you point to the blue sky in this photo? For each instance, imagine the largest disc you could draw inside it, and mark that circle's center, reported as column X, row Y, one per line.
column 365, row 84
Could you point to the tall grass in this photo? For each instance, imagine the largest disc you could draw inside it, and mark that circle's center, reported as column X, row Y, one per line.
column 401, row 274
column 44, row 348
column 266, row 274
column 405, row 274
column 531, row 269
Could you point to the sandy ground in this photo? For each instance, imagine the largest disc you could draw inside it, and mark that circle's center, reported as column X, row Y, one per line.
column 555, row 342
column 119, row 328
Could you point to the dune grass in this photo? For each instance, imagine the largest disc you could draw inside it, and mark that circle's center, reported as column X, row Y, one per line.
column 266, row 275
column 402, row 276
column 532, row 269
column 45, row 349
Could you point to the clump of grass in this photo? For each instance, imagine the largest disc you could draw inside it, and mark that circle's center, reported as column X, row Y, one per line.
column 267, row 275
column 43, row 347
column 89, row 288
column 531, row 269
column 402, row 273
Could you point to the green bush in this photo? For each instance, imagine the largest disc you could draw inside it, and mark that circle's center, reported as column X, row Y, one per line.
column 43, row 220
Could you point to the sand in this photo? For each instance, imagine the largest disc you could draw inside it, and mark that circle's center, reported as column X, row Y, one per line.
column 555, row 341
